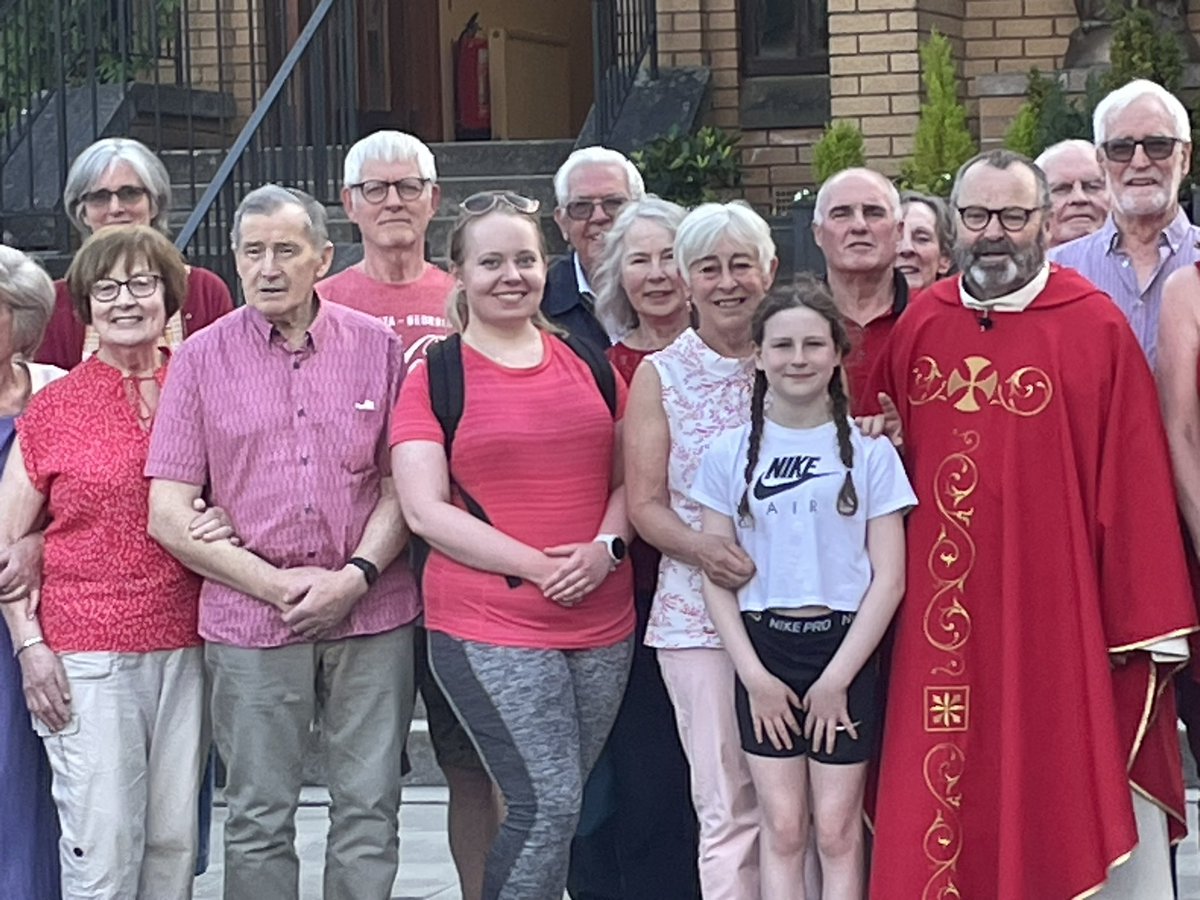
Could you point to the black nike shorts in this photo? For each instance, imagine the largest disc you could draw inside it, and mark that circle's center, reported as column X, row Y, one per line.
column 796, row 651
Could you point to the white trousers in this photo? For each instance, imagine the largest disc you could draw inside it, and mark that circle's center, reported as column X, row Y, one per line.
column 126, row 774
column 1146, row 875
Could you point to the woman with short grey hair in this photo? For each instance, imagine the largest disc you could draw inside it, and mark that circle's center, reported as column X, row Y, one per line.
column 28, row 821
column 119, row 181
column 926, row 249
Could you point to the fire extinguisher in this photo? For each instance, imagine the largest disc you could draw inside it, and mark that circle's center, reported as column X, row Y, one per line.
column 473, row 120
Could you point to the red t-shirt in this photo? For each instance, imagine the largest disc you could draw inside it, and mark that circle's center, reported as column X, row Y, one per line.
column 107, row 586
column 207, row 300
column 535, row 448
column 416, row 310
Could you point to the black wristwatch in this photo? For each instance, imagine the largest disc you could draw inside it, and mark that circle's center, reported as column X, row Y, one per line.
column 615, row 545
column 370, row 573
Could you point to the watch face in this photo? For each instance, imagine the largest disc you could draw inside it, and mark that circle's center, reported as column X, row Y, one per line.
column 618, row 549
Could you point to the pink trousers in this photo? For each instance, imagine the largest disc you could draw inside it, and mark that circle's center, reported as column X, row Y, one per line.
column 700, row 683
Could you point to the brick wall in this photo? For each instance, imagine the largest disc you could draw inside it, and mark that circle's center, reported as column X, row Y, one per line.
column 221, row 48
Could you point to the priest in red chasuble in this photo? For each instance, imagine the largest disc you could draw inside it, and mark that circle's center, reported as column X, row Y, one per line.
column 1030, row 750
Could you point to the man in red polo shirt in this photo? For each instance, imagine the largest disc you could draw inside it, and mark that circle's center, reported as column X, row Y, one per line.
column 857, row 224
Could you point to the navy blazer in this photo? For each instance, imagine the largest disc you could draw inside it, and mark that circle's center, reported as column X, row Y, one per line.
column 563, row 305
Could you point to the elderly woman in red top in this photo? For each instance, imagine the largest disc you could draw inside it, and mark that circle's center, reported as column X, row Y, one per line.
column 110, row 659
column 118, row 181
column 530, row 613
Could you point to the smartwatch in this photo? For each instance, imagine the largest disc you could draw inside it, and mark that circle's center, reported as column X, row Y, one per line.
column 615, row 545
column 370, row 572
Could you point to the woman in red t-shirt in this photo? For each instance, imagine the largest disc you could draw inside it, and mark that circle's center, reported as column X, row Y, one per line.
column 535, row 670
column 111, row 660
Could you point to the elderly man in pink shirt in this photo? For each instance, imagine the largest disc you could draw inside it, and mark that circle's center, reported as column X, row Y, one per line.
column 279, row 413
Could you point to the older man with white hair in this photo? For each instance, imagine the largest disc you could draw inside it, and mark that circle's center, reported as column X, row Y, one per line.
column 1144, row 144
column 590, row 188
column 1079, row 197
column 857, row 223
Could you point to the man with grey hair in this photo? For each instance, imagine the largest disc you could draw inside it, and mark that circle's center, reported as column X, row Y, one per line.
column 278, row 413
column 390, row 192
column 590, row 189
column 857, row 224
column 1079, row 196
column 1047, row 594
column 1144, row 145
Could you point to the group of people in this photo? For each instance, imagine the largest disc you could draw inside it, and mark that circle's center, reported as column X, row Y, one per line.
column 676, row 553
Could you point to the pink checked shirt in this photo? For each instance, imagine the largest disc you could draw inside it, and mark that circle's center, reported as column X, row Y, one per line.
column 293, row 445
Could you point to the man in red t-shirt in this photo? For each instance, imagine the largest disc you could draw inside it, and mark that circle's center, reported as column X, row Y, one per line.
column 390, row 192
column 857, row 224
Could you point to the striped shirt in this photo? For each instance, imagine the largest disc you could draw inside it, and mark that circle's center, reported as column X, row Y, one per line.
column 1100, row 259
column 293, row 444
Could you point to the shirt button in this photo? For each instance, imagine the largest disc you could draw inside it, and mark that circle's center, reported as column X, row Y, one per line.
column 304, row 460
column 307, row 508
column 295, row 363
column 311, row 554
column 300, row 413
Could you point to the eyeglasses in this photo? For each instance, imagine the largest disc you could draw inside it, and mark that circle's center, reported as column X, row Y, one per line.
column 1156, row 146
column 485, row 201
column 581, row 210
column 1012, row 218
column 141, row 286
column 377, row 191
column 126, row 195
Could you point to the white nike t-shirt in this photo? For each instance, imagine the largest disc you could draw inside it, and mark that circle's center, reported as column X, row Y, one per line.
column 805, row 551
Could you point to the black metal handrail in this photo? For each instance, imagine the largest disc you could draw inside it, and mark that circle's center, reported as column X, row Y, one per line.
column 624, row 38
column 302, row 125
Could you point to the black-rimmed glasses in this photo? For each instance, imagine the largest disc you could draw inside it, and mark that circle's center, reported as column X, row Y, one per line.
column 485, row 201
column 126, row 194
column 141, row 286
column 1012, row 218
column 581, row 210
column 375, row 191
column 1157, row 147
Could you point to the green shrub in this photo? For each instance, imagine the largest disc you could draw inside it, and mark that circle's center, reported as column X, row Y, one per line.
column 690, row 168
column 943, row 142
column 1143, row 48
column 840, row 147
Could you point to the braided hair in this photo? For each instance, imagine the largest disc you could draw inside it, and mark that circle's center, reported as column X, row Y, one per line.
column 805, row 292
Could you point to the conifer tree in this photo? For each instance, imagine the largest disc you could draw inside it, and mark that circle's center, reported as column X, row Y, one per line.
column 942, row 141
column 840, row 147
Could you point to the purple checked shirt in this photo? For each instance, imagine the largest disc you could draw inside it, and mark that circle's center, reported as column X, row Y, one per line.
column 294, row 444
column 1100, row 259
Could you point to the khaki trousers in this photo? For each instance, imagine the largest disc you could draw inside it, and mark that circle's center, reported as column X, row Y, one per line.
column 700, row 683
column 263, row 704
column 126, row 774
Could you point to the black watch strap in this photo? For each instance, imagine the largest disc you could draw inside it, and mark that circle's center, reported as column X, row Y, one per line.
column 370, row 573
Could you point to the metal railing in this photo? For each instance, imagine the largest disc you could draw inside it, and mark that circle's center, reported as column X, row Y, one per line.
column 72, row 71
column 624, row 38
column 303, row 123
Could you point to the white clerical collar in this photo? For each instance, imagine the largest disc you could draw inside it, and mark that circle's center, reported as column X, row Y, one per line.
column 1017, row 301
column 581, row 280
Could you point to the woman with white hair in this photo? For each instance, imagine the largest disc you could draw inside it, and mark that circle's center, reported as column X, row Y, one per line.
column 681, row 398
column 28, row 822
column 118, row 181
column 651, row 830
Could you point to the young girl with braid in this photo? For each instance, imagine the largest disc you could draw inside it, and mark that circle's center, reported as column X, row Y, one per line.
column 819, row 509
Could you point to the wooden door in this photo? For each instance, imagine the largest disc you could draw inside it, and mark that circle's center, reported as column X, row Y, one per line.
column 400, row 66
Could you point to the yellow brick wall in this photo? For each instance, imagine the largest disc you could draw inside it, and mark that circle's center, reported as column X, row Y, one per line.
column 233, row 30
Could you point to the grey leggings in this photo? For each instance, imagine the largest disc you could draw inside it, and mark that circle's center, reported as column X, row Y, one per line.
column 539, row 719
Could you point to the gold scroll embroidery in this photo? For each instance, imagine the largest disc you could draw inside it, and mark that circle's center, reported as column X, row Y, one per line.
column 943, row 768
column 975, row 383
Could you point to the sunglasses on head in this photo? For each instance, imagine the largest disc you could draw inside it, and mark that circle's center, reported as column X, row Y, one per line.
column 1156, row 147
column 485, row 201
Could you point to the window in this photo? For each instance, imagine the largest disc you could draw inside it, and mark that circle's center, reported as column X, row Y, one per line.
column 785, row 37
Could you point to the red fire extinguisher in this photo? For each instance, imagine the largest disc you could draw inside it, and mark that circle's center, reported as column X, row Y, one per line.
column 472, row 90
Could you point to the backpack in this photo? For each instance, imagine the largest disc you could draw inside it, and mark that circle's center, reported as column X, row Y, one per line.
column 444, row 363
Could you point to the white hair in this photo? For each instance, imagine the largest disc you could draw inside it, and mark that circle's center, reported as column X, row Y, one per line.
column 710, row 223
column 596, row 156
column 91, row 165
column 388, row 147
column 27, row 291
column 1070, row 144
column 613, row 308
column 1132, row 92
column 836, row 178
column 270, row 198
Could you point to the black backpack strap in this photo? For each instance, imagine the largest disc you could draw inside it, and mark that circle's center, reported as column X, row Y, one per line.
column 602, row 370
column 446, row 398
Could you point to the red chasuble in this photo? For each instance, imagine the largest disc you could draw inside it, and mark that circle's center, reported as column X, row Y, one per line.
column 1046, row 540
